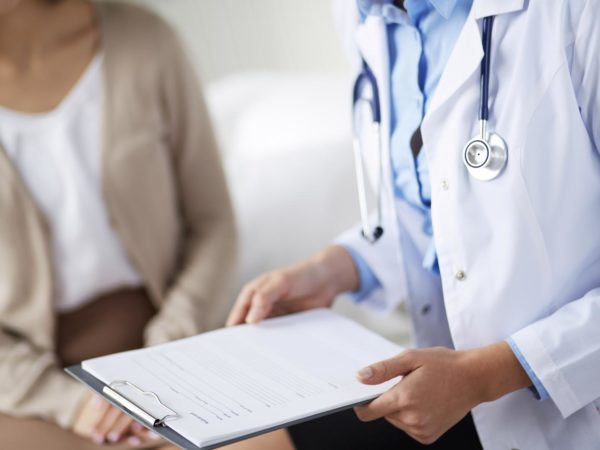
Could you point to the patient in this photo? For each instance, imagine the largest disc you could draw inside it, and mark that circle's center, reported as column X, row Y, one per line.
column 116, row 229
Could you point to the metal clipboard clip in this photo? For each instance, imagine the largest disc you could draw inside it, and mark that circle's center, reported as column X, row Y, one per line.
column 136, row 410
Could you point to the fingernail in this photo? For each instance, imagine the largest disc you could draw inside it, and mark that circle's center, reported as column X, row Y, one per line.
column 365, row 373
column 134, row 440
column 97, row 402
column 97, row 438
column 113, row 436
column 136, row 427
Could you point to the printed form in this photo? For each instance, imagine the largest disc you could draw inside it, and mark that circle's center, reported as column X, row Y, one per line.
column 237, row 381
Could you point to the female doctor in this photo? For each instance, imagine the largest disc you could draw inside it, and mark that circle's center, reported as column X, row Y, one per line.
column 478, row 123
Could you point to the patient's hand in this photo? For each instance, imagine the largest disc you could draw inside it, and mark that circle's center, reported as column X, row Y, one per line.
column 101, row 422
column 313, row 283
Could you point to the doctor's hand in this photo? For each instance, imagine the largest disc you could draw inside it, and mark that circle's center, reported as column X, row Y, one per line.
column 439, row 387
column 313, row 283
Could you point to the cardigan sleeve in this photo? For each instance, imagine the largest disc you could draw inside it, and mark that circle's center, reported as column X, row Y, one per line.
column 34, row 385
column 198, row 296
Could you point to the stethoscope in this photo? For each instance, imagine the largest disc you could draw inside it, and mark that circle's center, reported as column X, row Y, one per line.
column 484, row 156
column 370, row 99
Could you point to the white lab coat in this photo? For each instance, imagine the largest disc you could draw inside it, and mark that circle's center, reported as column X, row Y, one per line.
column 528, row 242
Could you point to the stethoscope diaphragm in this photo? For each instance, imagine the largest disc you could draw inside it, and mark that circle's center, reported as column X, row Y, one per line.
column 485, row 158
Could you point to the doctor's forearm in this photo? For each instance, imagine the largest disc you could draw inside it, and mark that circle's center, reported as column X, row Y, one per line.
column 498, row 370
column 335, row 264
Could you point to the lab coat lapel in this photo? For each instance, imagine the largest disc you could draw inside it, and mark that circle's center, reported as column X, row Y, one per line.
column 465, row 59
column 485, row 8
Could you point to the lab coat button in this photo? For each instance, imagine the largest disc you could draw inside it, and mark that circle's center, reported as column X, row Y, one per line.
column 445, row 185
column 460, row 275
column 425, row 309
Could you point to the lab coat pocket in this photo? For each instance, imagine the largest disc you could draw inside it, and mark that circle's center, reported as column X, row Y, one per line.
column 560, row 170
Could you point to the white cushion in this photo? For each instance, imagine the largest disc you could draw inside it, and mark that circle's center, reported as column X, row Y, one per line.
column 286, row 143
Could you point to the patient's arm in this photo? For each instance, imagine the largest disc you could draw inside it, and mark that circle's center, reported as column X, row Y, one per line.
column 199, row 290
column 31, row 377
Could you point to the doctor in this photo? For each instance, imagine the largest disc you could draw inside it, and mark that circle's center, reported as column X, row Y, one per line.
column 494, row 246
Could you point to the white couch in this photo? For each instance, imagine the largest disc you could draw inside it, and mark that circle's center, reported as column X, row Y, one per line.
column 286, row 146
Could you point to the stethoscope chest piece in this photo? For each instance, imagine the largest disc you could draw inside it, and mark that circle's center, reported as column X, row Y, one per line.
column 485, row 158
column 485, row 155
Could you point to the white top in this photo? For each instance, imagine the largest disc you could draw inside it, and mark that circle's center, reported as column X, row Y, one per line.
column 58, row 155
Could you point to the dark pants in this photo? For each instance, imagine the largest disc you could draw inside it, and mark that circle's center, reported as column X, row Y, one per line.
column 344, row 431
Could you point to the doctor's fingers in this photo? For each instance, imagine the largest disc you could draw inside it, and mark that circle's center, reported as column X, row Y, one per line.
column 414, row 429
column 386, row 405
column 273, row 289
column 399, row 413
column 385, row 370
column 294, row 305
column 238, row 313
column 240, row 309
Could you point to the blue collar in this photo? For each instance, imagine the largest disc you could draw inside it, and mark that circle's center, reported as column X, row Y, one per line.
column 444, row 7
column 375, row 7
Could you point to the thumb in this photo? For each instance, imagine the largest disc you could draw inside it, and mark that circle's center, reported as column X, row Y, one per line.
column 385, row 370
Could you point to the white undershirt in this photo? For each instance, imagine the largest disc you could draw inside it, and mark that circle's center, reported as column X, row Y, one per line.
column 58, row 155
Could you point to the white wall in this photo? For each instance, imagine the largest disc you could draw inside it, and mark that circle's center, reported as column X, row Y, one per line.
column 231, row 36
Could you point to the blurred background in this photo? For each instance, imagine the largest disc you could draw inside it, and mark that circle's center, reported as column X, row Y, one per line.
column 278, row 86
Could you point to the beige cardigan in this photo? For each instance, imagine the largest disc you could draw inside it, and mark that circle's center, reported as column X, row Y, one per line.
column 166, row 196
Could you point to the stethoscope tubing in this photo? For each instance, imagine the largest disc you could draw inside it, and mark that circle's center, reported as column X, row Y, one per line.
column 366, row 75
column 488, row 23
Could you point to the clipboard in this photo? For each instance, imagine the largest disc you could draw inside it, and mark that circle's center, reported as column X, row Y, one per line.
column 156, row 424
column 159, row 425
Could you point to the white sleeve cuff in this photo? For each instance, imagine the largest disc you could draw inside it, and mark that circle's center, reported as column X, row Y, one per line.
column 546, row 370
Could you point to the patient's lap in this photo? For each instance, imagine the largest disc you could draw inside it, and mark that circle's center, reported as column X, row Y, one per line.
column 31, row 434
